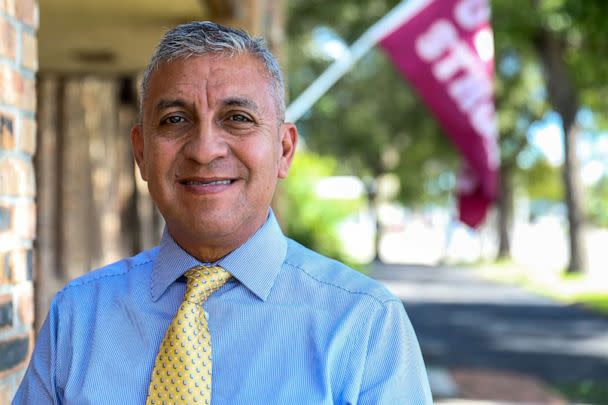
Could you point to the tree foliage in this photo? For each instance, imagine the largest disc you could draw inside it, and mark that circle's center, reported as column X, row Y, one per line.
column 597, row 209
column 310, row 219
column 564, row 38
column 549, row 57
column 371, row 120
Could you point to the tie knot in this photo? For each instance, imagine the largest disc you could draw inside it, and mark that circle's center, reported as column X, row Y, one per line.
column 204, row 281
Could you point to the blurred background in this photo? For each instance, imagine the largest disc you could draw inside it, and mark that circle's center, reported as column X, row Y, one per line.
column 514, row 310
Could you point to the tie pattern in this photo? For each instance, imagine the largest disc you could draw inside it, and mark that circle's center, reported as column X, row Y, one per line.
column 182, row 371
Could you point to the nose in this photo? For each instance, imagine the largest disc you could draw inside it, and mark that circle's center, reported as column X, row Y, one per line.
column 205, row 143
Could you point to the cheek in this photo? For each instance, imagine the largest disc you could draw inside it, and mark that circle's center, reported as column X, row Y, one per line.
column 160, row 157
column 260, row 158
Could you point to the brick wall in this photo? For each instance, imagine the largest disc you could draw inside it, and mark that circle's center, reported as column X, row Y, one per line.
column 18, row 65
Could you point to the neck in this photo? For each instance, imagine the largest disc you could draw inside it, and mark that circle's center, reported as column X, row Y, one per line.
column 210, row 248
column 206, row 252
column 209, row 255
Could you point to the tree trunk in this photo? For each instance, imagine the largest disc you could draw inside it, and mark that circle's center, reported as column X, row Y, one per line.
column 573, row 201
column 372, row 203
column 563, row 98
column 505, row 212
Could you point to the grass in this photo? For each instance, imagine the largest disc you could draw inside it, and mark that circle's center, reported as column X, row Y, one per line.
column 588, row 392
column 590, row 291
column 596, row 302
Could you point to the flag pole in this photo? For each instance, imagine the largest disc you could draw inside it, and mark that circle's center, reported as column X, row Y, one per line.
column 397, row 16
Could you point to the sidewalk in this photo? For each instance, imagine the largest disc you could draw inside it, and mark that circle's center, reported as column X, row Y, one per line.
column 485, row 387
column 487, row 343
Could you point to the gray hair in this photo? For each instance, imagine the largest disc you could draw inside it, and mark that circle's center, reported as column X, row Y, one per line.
column 201, row 38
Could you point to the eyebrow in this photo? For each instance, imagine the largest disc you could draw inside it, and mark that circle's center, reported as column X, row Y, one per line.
column 169, row 103
column 230, row 102
column 241, row 102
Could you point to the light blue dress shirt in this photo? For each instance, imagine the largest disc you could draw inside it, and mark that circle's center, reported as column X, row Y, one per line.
column 291, row 327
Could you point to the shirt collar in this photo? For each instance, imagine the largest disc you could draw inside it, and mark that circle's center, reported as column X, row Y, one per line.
column 255, row 264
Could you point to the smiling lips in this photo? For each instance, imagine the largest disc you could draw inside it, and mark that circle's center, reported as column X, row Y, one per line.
column 204, row 183
column 206, row 186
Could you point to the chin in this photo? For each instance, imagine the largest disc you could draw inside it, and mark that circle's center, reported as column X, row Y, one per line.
column 216, row 224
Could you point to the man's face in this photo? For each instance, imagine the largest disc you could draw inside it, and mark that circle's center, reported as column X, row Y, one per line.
column 211, row 148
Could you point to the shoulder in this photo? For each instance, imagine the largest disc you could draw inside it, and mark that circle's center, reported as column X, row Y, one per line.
column 332, row 274
column 111, row 275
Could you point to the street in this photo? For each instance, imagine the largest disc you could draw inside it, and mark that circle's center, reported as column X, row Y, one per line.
column 464, row 322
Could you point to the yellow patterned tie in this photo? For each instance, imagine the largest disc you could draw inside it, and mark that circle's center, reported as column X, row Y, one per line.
column 182, row 371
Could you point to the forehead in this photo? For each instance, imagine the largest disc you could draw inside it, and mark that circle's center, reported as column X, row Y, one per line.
column 213, row 76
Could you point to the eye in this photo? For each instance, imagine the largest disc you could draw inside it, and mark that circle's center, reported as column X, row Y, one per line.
column 239, row 118
column 173, row 119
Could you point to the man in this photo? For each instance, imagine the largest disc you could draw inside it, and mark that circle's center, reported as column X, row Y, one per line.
column 285, row 325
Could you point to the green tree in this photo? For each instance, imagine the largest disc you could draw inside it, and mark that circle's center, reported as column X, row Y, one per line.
column 597, row 209
column 312, row 220
column 515, row 77
column 564, row 38
column 370, row 120
column 548, row 55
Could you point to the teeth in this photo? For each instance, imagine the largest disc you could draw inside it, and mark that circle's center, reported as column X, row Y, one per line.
column 209, row 183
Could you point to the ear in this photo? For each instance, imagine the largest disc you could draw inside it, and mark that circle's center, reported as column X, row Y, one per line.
column 137, row 145
column 289, row 139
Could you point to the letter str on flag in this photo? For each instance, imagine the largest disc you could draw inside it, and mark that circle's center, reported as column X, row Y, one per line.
column 446, row 52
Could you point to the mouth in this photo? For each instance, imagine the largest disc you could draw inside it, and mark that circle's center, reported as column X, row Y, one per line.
column 206, row 186
column 206, row 183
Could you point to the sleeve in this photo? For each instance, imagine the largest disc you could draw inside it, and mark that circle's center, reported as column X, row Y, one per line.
column 38, row 385
column 394, row 371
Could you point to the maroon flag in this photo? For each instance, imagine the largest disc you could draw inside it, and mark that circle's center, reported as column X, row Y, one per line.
column 445, row 51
